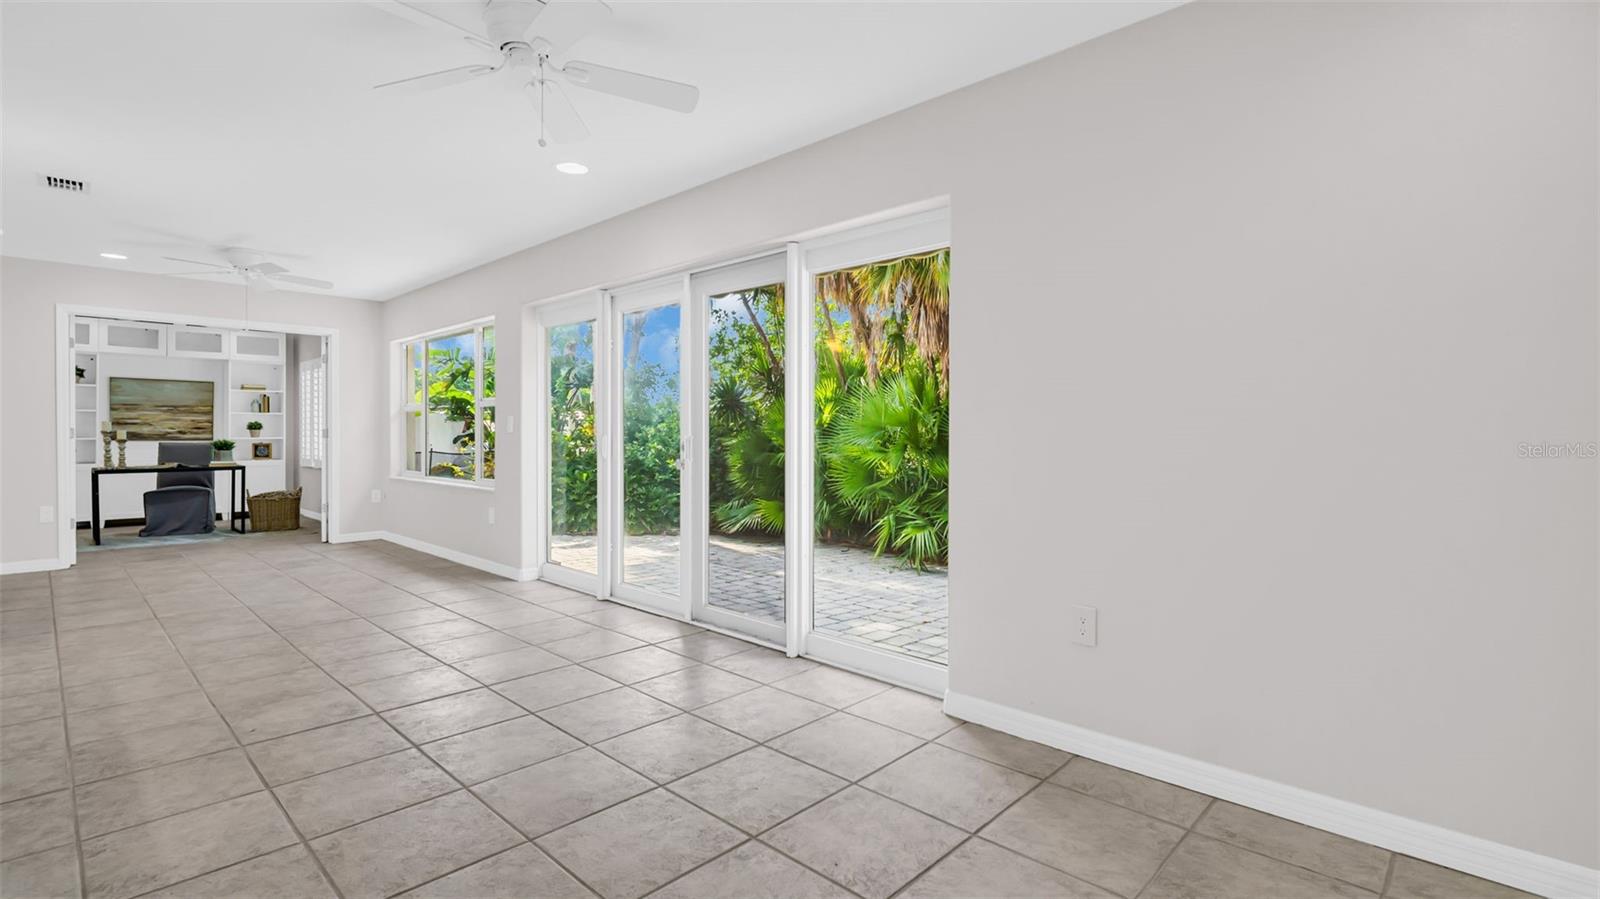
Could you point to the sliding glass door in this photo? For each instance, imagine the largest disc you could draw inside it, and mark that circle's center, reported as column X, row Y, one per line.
column 740, row 413
column 764, row 447
column 573, row 551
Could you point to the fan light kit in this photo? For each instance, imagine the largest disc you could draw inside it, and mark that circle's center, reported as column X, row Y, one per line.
column 572, row 168
column 112, row 256
column 525, row 38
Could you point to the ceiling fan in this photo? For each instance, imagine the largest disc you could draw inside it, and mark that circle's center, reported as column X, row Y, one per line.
column 521, row 37
column 252, row 266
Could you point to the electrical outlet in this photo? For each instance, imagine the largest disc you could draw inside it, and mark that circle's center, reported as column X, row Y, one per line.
column 47, row 514
column 491, row 514
column 377, row 496
column 510, row 425
column 1085, row 625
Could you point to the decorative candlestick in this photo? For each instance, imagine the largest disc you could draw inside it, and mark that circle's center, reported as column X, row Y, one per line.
column 106, row 442
column 122, row 449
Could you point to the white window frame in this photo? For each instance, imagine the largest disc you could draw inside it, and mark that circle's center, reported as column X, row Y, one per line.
column 404, row 407
column 312, row 399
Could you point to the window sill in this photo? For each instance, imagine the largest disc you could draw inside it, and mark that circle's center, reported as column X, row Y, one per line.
column 445, row 482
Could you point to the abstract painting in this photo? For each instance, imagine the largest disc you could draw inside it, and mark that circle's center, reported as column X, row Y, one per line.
column 152, row 409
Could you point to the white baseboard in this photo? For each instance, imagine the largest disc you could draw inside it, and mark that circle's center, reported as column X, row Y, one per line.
column 1495, row 861
column 31, row 565
column 314, row 516
column 471, row 561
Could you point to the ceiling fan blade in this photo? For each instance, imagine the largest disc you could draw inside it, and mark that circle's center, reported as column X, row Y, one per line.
column 435, row 80
column 191, row 274
column 566, row 22
column 561, row 120
column 198, row 262
column 672, row 95
column 267, row 268
column 417, row 15
column 305, row 282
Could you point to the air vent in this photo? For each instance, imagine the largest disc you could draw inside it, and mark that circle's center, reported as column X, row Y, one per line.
column 71, row 185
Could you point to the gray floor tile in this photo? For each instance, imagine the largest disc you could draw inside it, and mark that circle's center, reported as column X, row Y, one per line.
column 52, row 874
column 403, row 849
column 764, row 665
column 1096, row 841
column 353, row 647
column 36, row 824
column 831, row 686
column 1414, row 879
column 243, row 696
column 705, row 646
column 464, row 648
column 914, row 713
column 160, row 853
column 346, row 796
column 543, row 797
column 315, row 751
column 504, row 666
column 751, row 870
column 1338, row 857
column 693, row 687
column 558, row 686
column 518, row 873
column 170, row 682
column 413, row 687
column 1203, row 867
column 672, row 748
column 1022, row 755
column 146, row 714
column 440, row 718
column 1142, row 794
column 630, row 849
column 848, row 746
column 763, row 713
column 550, row 631
column 286, row 874
column 147, row 748
column 980, row 868
column 951, row 786
column 439, row 632
column 870, row 844
column 153, row 793
column 385, row 664
column 639, row 664
column 488, row 752
column 755, row 790
column 593, row 645
column 32, row 774
column 297, row 713
column 605, row 715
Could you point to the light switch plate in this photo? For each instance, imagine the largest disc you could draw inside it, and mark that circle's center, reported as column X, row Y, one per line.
column 1085, row 625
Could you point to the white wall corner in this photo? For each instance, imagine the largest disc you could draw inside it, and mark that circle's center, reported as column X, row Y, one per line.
column 506, row 571
column 1520, row 868
column 30, row 565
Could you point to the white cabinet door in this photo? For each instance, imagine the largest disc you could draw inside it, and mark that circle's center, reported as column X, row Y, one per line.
column 198, row 343
column 139, row 338
column 257, row 346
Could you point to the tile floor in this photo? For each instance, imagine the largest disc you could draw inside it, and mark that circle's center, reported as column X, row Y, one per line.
column 278, row 717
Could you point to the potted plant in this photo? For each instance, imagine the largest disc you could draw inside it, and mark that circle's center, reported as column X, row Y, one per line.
column 254, row 428
column 222, row 450
column 78, row 369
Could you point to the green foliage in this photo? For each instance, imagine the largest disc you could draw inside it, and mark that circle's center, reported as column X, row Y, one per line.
column 222, row 445
column 573, row 484
column 451, row 381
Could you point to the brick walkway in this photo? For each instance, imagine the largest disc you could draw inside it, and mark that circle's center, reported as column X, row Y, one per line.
column 874, row 600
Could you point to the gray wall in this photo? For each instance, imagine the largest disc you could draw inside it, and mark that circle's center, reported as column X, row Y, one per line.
column 1252, row 306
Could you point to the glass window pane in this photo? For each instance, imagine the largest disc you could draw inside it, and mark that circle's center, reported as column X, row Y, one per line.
column 882, row 479
column 452, row 407
column 574, row 469
column 650, row 448
column 747, row 486
column 414, row 373
column 488, row 361
column 416, row 445
column 488, row 443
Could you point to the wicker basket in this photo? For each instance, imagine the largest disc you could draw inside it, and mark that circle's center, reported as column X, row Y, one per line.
column 275, row 511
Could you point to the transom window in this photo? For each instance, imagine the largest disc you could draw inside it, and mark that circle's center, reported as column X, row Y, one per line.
column 447, row 404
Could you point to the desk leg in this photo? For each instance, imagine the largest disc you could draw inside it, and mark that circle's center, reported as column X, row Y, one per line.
column 244, row 501
column 94, row 502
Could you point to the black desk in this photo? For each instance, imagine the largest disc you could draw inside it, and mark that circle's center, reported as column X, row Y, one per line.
column 237, row 515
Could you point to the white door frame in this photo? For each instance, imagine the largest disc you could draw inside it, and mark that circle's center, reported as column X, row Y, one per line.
column 703, row 285
column 581, row 308
column 66, row 461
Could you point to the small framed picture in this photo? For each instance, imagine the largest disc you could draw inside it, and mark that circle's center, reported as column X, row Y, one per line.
column 261, row 450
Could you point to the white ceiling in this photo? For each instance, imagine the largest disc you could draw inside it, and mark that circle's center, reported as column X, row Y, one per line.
column 253, row 123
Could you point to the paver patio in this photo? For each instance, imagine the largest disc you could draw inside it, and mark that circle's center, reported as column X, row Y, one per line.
column 876, row 600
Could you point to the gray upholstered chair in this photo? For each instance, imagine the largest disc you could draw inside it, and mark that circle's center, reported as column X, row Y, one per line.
column 183, row 502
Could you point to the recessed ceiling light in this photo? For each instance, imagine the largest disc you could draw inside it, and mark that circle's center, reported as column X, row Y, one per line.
column 572, row 168
column 112, row 256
